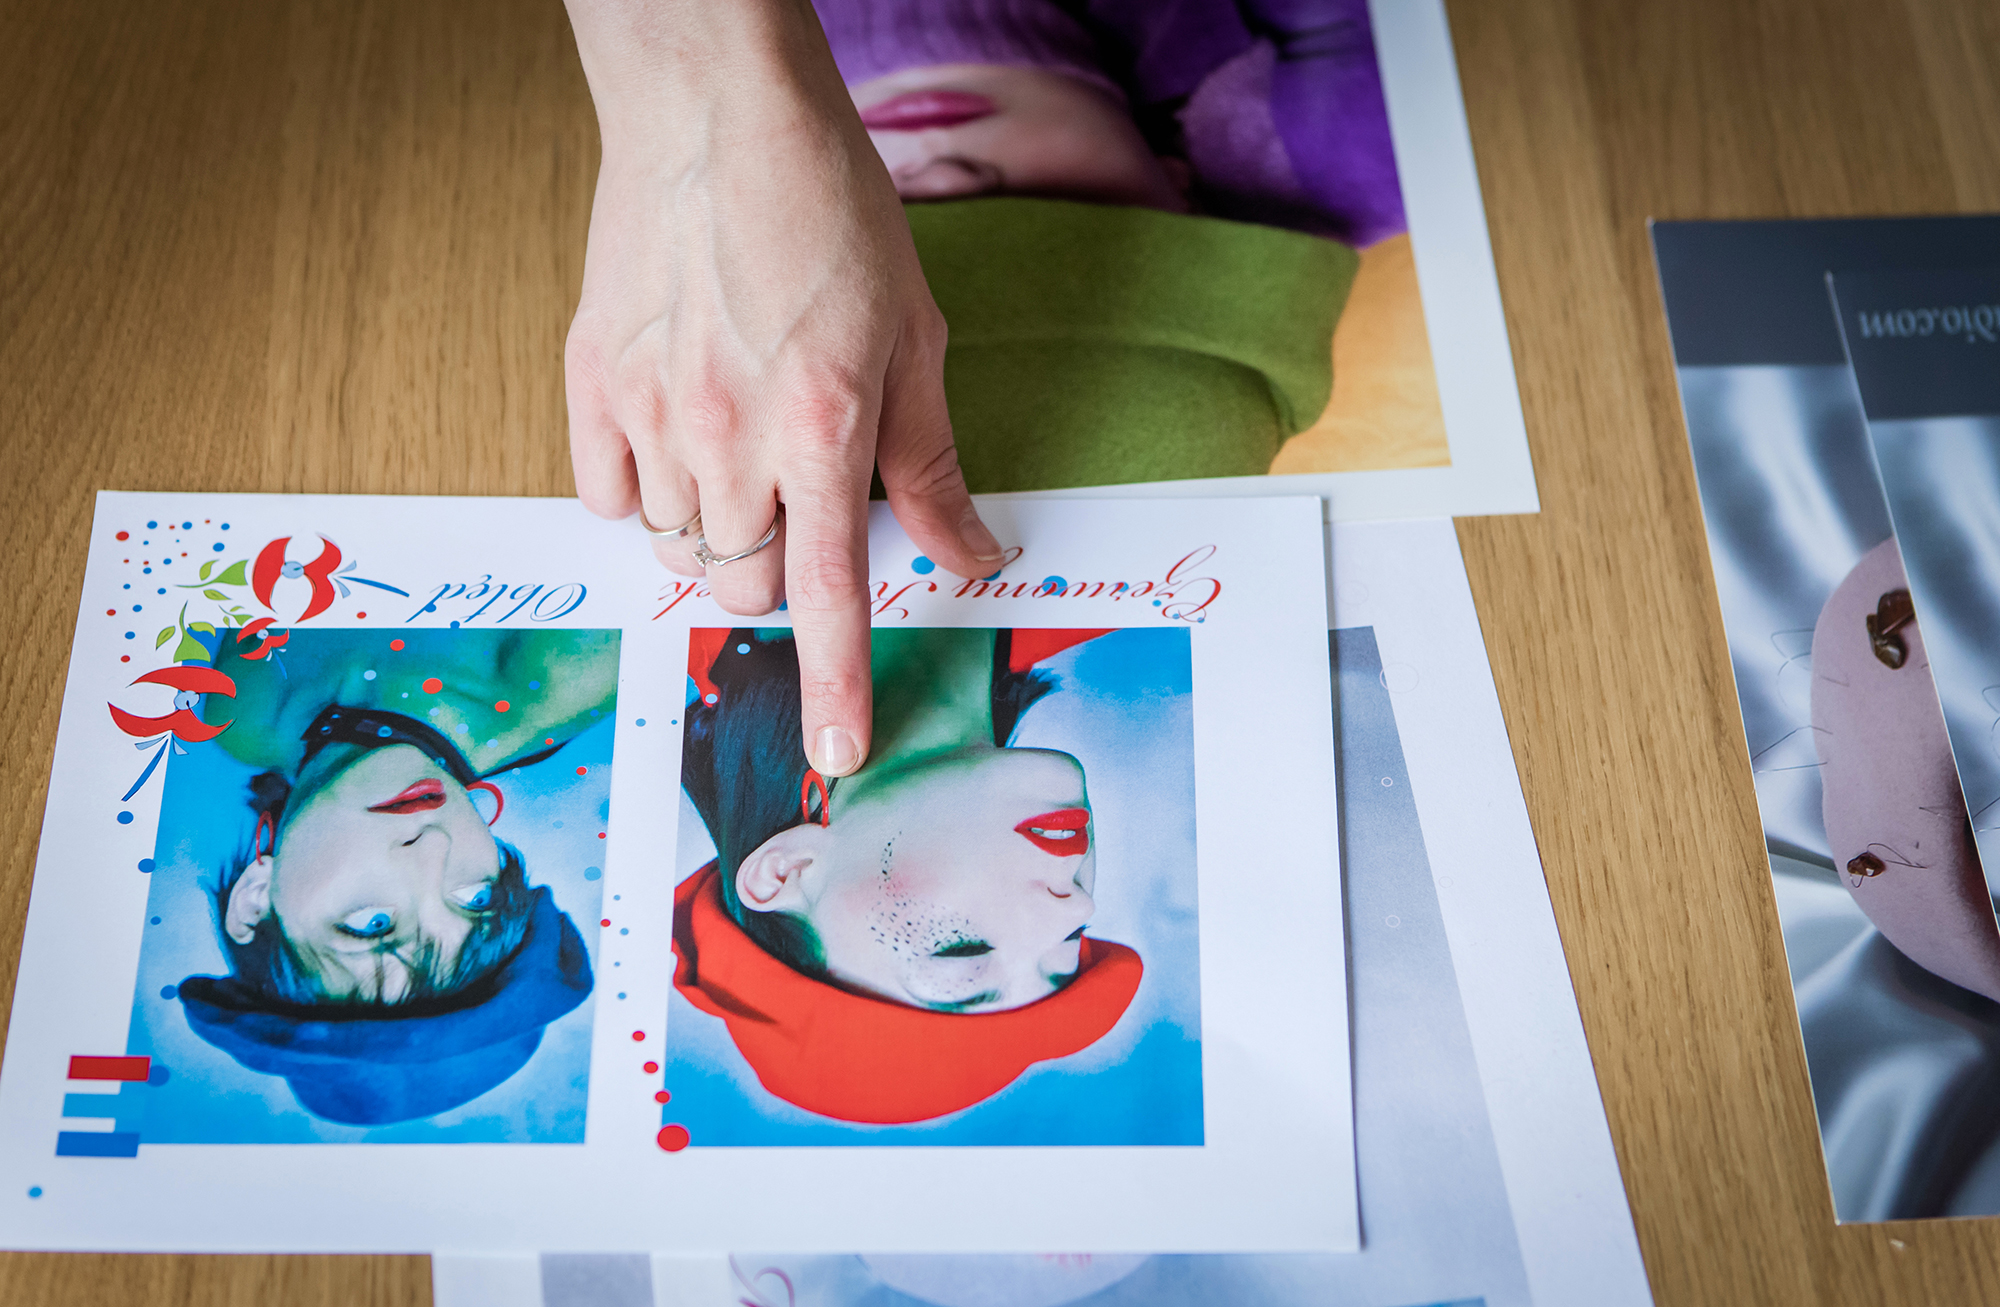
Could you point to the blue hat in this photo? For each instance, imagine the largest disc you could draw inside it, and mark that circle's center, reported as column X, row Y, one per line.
column 387, row 1064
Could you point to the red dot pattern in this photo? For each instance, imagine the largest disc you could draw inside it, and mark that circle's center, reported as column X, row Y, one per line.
column 581, row 770
column 663, row 1097
column 638, row 1036
column 673, row 1138
column 502, row 706
column 650, row 1068
column 359, row 616
column 605, row 922
column 432, row 685
column 395, row 644
column 124, row 535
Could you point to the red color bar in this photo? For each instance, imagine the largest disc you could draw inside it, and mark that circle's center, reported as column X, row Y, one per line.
column 109, row 1068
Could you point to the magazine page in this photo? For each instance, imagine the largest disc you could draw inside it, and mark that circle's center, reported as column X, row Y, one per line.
column 452, row 836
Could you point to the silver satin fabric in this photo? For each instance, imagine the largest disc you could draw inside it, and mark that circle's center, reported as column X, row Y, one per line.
column 1942, row 477
column 1905, row 1066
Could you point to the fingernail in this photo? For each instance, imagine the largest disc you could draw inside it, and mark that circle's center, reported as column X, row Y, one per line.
column 834, row 753
column 972, row 533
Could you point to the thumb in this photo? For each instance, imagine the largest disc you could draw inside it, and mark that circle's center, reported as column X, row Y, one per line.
column 919, row 462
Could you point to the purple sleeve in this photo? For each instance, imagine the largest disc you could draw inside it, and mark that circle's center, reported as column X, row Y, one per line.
column 1167, row 47
column 1321, row 96
column 1326, row 100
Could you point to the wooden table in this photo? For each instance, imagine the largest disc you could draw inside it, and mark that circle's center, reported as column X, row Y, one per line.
column 271, row 245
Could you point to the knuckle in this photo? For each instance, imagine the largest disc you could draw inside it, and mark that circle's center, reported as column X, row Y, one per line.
column 823, row 579
column 824, row 413
column 710, row 415
column 826, row 686
column 585, row 369
column 930, row 470
column 745, row 599
column 930, row 330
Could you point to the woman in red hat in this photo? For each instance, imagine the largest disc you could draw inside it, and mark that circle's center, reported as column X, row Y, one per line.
column 898, row 944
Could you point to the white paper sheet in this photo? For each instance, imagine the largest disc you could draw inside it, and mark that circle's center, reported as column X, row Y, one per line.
column 1487, row 1174
column 1239, row 585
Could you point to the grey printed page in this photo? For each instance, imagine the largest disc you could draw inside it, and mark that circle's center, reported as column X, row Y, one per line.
column 1883, row 898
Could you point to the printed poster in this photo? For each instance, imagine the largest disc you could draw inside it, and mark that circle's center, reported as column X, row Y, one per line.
column 452, row 835
column 1850, row 694
column 1231, row 247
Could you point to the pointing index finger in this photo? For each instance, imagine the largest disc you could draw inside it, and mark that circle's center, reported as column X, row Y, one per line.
column 826, row 590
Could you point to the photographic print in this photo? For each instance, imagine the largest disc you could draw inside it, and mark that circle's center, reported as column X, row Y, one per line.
column 1849, row 714
column 1172, row 243
column 365, row 895
column 988, row 935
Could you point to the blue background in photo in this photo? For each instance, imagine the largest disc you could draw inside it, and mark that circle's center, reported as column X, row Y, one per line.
column 202, row 1096
column 1123, row 707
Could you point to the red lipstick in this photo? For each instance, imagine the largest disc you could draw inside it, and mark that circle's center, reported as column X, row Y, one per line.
column 916, row 111
column 421, row 797
column 1064, row 832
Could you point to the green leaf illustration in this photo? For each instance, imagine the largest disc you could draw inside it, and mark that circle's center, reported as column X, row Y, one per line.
column 233, row 574
column 190, row 650
column 213, row 594
column 206, row 568
column 165, row 636
column 204, row 627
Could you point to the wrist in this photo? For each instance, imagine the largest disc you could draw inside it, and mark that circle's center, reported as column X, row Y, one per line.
column 654, row 64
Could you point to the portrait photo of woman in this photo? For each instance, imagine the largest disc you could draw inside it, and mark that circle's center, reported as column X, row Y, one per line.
column 363, row 912
column 985, row 935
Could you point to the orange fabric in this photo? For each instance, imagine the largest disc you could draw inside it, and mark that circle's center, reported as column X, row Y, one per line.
column 856, row 1058
column 704, row 647
column 1031, row 645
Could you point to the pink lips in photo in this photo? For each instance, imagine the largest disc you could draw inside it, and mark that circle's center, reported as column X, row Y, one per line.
column 421, row 797
column 916, row 111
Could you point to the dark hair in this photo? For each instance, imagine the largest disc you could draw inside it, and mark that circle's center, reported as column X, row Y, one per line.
column 742, row 763
column 271, row 967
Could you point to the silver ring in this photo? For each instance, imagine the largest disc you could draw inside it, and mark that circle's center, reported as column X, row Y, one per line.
column 681, row 532
column 708, row 558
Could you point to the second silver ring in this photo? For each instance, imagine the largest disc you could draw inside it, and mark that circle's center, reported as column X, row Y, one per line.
column 709, row 558
column 681, row 532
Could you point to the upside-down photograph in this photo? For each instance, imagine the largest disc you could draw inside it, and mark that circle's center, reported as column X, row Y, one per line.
column 1000, row 653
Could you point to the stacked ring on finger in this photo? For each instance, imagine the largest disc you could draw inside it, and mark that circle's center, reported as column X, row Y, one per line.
column 709, row 558
column 681, row 532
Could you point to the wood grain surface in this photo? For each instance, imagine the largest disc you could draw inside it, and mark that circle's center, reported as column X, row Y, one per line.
column 302, row 245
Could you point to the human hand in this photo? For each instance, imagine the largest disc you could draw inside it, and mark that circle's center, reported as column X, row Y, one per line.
column 755, row 331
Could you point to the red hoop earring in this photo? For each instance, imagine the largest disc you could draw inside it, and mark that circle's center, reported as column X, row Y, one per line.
column 810, row 782
column 265, row 822
column 499, row 799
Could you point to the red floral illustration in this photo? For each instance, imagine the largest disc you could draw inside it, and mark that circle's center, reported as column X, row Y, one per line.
column 191, row 681
column 272, row 565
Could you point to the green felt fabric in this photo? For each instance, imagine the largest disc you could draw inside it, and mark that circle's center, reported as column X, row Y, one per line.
column 1094, row 345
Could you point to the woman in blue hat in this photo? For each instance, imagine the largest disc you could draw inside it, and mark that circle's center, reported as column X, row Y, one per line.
column 387, row 953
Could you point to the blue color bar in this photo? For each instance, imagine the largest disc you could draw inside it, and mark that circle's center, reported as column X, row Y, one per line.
column 90, row 1143
column 90, row 1105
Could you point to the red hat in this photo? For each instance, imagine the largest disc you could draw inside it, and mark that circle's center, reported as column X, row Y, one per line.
column 857, row 1058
